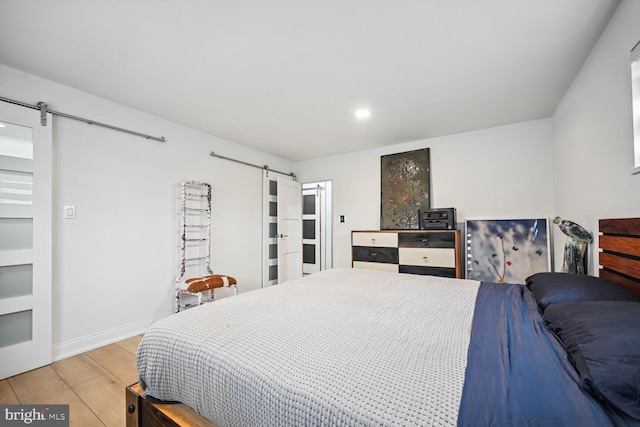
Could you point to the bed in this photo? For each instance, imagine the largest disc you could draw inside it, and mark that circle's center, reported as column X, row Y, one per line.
column 359, row 347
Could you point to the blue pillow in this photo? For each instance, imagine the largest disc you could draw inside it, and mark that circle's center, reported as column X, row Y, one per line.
column 603, row 342
column 553, row 288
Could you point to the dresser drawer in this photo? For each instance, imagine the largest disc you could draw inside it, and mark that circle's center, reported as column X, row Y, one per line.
column 430, row 271
column 427, row 240
column 374, row 239
column 375, row 254
column 393, row 268
column 427, row 257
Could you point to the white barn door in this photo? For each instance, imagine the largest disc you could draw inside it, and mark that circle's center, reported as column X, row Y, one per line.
column 289, row 229
column 25, row 240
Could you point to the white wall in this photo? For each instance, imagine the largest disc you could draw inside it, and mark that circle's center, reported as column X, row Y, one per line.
column 593, row 135
column 498, row 173
column 115, row 264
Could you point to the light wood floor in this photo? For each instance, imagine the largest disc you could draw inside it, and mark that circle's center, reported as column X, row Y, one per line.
column 92, row 383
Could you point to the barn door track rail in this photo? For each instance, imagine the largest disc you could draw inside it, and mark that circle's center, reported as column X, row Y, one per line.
column 43, row 108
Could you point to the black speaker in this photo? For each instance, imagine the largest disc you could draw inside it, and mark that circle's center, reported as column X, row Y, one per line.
column 438, row 219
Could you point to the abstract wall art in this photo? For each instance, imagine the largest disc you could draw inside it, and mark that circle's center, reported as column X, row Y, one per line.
column 508, row 250
column 405, row 185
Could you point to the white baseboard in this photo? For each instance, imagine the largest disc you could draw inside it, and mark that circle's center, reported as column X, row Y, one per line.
column 91, row 342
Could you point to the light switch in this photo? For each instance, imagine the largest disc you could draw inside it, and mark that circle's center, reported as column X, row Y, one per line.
column 70, row 212
column 341, row 218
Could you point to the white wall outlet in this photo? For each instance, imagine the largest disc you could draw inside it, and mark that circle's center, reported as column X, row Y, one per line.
column 69, row 212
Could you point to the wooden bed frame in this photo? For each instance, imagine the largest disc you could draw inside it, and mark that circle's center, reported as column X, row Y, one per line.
column 619, row 261
column 141, row 412
column 620, row 251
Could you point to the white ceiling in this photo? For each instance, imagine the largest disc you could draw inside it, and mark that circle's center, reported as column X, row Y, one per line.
column 285, row 76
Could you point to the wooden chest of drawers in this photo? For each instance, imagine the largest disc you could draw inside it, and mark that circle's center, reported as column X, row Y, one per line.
column 433, row 252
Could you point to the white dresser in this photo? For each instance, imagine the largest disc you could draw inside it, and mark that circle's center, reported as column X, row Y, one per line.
column 433, row 252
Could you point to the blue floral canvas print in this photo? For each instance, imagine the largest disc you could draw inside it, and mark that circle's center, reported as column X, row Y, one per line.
column 508, row 250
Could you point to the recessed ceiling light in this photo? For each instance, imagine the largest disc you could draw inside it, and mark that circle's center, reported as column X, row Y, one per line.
column 363, row 113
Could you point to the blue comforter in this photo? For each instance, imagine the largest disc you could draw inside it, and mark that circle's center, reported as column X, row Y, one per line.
column 518, row 373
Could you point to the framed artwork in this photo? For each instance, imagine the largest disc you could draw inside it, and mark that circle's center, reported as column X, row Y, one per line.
column 507, row 250
column 405, row 186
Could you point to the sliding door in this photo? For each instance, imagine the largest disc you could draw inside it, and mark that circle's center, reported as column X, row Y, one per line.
column 289, row 229
column 25, row 240
column 282, row 249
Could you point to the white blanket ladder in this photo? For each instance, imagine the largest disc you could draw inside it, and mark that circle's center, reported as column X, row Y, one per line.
column 195, row 246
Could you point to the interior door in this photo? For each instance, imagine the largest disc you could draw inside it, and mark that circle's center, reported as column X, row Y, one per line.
column 289, row 229
column 25, row 240
column 311, row 229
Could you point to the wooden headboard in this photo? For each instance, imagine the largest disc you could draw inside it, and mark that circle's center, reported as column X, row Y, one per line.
column 620, row 251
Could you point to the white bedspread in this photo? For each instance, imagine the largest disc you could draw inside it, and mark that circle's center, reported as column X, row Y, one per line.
column 339, row 347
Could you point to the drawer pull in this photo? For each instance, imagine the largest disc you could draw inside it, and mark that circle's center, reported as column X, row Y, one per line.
column 374, row 254
column 426, row 259
column 373, row 240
